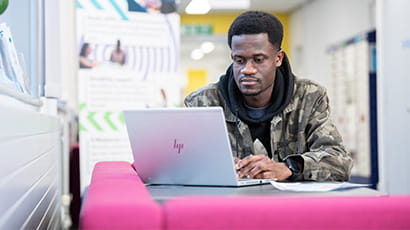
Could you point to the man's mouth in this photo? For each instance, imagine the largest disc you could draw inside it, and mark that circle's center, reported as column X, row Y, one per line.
column 248, row 81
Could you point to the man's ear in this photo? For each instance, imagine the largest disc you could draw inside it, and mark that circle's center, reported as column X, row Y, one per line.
column 279, row 58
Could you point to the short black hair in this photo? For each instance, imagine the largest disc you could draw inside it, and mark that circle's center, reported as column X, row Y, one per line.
column 84, row 48
column 256, row 22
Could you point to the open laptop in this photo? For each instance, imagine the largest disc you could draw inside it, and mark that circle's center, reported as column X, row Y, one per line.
column 182, row 146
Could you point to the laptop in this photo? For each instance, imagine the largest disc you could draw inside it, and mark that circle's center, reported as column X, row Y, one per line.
column 183, row 146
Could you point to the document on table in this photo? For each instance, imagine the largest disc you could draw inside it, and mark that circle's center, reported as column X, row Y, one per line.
column 315, row 186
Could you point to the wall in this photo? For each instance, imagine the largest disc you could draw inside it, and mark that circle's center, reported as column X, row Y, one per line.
column 213, row 64
column 320, row 24
column 61, row 54
column 394, row 107
column 69, row 54
column 221, row 23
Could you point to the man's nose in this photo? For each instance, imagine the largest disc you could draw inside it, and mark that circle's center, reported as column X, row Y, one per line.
column 249, row 68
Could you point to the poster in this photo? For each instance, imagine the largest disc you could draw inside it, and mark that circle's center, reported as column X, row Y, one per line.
column 128, row 58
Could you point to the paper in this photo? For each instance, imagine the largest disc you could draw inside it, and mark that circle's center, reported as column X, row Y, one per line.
column 11, row 72
column 315, row 186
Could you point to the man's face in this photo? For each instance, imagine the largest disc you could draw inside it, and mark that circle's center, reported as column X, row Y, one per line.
column 255, row 61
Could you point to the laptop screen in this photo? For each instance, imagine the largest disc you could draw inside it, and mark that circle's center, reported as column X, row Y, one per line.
column 181, row 146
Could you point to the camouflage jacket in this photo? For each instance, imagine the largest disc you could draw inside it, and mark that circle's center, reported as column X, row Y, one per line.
column 309, row 131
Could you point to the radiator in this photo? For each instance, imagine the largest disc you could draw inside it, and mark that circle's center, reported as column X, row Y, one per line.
column 30, row 149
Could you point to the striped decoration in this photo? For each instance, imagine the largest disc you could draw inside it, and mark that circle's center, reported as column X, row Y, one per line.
column 102, row 122
column 142, row 59
column 119, row 7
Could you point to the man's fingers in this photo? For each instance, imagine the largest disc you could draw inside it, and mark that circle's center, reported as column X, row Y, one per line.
column 252, row 165
column 244, row 172
column 236, row 160
column 257, row 169
column 262, row 168
column 248, row 160
column 265, row 175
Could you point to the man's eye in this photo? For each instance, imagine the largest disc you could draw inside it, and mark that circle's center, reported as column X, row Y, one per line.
column 238, row 60
column 259, row 60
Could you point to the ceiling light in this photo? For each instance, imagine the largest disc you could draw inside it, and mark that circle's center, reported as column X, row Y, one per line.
column 197, row 54
column 229, row 4
column 207, row 47
column 198, row 7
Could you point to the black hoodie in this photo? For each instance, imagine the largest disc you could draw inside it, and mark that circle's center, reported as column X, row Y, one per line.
column 281, row 96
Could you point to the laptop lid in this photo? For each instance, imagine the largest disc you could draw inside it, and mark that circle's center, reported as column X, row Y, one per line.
column 184, row 146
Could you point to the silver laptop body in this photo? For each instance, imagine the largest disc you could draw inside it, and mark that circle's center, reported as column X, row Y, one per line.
column 182, row 146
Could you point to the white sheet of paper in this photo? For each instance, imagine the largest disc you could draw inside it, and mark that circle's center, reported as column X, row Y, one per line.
column 314, row 186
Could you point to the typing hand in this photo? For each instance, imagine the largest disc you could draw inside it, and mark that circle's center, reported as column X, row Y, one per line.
column 261, row 167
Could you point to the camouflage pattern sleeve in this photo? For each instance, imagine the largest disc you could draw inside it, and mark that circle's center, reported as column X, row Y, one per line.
column 327, row 158
column 205, row 96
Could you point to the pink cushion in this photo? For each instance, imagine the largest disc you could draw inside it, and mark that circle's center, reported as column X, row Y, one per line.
column 285, row 212
column 117, row 199
column 114, row 170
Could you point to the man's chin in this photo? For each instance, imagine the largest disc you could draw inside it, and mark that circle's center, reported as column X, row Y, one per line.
column 255, row 91
column 250, row 93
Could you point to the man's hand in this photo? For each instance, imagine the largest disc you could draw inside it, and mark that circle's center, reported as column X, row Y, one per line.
column 261, row 167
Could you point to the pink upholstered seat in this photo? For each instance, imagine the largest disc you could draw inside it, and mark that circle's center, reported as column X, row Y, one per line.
column 117, row 199
column 114, row 170
column 282, row 212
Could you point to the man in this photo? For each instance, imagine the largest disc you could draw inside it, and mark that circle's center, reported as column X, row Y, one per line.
column 279, row 125
column 118, row 55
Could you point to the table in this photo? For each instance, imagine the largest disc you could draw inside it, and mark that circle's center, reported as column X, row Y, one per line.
column 161, row 193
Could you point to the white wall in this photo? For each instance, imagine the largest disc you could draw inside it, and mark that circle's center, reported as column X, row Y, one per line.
column 393, row 75
column 322, row 23
column 61, row 55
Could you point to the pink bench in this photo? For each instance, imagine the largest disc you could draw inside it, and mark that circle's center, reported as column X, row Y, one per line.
column 117, row 199
column 267, row 212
